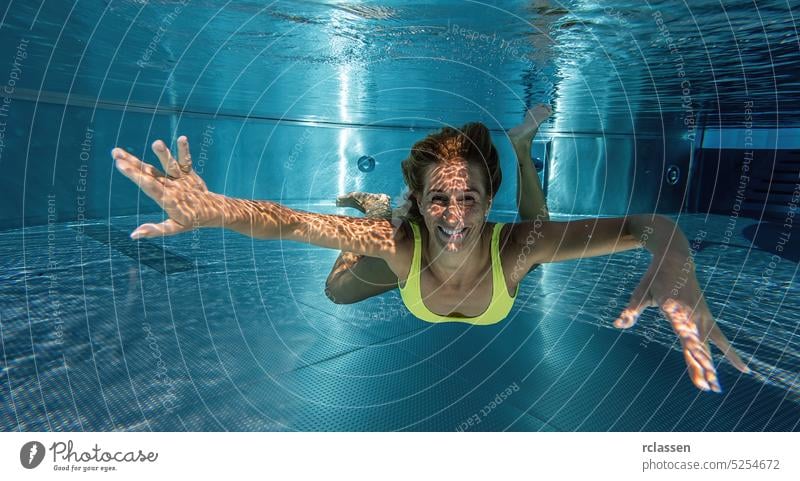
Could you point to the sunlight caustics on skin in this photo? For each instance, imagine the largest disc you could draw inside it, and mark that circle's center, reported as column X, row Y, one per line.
column 187, row 201
column 454, row 200
column 695, row 351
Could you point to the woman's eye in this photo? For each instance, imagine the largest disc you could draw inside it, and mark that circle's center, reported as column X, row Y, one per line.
column 438, row 199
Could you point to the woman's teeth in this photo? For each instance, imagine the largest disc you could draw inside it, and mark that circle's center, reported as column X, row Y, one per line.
column 450, row 235
column 452, row 232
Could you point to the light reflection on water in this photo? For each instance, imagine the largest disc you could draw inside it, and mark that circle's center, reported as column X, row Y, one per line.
column 617, row 59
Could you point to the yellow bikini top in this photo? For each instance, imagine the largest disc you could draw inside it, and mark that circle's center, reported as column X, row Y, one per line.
column 501, row 302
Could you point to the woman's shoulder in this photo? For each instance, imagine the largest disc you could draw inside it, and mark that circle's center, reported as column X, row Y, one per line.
column 512, row 236
column 522, row 233
column 403, row 230
column 504, row 233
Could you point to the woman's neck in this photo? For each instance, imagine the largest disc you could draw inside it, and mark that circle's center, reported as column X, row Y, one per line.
column 456, row 268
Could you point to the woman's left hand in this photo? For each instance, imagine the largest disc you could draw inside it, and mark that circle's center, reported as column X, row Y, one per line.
column 673, row 287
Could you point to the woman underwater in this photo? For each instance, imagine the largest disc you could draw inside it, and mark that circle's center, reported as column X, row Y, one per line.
column 448, row 261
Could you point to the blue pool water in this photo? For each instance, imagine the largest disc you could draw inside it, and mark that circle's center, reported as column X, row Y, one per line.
column 213, row 331
column 690, row 109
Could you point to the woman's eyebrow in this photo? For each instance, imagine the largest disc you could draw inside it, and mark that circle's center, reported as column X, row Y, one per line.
column 436, row 191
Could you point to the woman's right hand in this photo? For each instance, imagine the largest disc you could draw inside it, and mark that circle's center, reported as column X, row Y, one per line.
column 179, row 191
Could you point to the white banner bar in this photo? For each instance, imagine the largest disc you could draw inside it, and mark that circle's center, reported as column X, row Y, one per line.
column 400, row 456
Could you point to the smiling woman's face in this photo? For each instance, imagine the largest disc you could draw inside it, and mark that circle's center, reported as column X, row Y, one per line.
column 454, row 204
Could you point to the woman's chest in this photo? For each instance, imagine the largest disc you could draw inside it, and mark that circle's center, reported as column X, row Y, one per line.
column 462, row 301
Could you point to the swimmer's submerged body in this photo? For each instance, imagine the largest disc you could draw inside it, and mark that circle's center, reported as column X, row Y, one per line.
column 452, row 176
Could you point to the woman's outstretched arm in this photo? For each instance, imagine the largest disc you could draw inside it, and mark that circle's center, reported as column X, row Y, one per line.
column 669, row 283
column 269, row 220
column 551, row 241
column 189, row 204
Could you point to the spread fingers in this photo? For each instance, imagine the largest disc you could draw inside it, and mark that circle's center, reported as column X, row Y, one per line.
column 184, row 156
column 168, row 162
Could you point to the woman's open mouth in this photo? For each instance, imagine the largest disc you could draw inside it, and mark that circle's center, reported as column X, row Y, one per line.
column 451, row 235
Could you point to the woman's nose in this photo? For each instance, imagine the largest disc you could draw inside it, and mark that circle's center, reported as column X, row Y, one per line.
column 454, row 213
